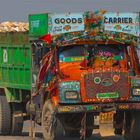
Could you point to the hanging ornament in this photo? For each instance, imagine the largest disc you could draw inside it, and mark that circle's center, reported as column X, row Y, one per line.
column 97, row 80
column 116, row 78
column 47, row 38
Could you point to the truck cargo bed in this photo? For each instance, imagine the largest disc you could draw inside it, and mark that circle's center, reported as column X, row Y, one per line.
column 15, row 67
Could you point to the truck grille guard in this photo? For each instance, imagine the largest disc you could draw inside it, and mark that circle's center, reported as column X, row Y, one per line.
column 105, row 85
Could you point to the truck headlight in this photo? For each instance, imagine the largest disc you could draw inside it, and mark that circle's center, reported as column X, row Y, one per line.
column 71, row 95
column 69, row 91
column 136, row 91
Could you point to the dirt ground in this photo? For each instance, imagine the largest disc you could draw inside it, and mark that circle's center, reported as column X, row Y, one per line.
column 105, row 133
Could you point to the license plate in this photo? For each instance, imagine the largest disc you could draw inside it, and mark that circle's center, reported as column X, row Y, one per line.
column 108, row 95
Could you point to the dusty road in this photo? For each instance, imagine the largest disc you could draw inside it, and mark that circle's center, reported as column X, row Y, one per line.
column 106, row 133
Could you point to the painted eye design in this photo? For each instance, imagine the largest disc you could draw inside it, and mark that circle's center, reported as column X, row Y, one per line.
column 97, row 80
column 116, row 78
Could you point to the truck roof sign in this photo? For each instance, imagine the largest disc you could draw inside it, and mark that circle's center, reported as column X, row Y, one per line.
column 64, row 23
column 93, row 25
column 122, row 22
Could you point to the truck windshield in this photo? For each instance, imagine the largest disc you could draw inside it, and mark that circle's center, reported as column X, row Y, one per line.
column 71, row 53
column 107, row 51
column 106, row 55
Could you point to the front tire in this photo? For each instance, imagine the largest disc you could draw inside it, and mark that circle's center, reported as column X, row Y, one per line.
column 127, row 125
column 5, row 116
column 52, row 127
column 135, row 127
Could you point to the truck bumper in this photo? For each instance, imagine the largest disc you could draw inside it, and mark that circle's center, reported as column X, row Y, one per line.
column 97, row 107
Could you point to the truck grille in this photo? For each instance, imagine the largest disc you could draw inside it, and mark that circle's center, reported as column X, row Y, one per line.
column 98, row 83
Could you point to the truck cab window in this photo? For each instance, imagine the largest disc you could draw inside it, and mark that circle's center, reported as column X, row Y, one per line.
column 106, row 56
column 71, row 53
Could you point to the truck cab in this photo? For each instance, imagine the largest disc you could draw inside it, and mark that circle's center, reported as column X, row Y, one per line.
column 99, row 72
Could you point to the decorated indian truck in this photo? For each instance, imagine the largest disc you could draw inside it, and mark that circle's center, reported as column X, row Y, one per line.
column 69, row 68
column 87, row 63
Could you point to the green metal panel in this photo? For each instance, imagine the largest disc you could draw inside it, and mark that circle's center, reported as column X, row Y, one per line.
column 15, row 67
column 16, row 95
column 38, row 25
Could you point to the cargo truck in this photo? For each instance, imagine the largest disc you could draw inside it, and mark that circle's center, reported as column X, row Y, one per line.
column 15, row 85
column 71, row 67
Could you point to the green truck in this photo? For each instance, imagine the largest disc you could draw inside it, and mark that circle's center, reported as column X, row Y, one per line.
column 15, row 83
